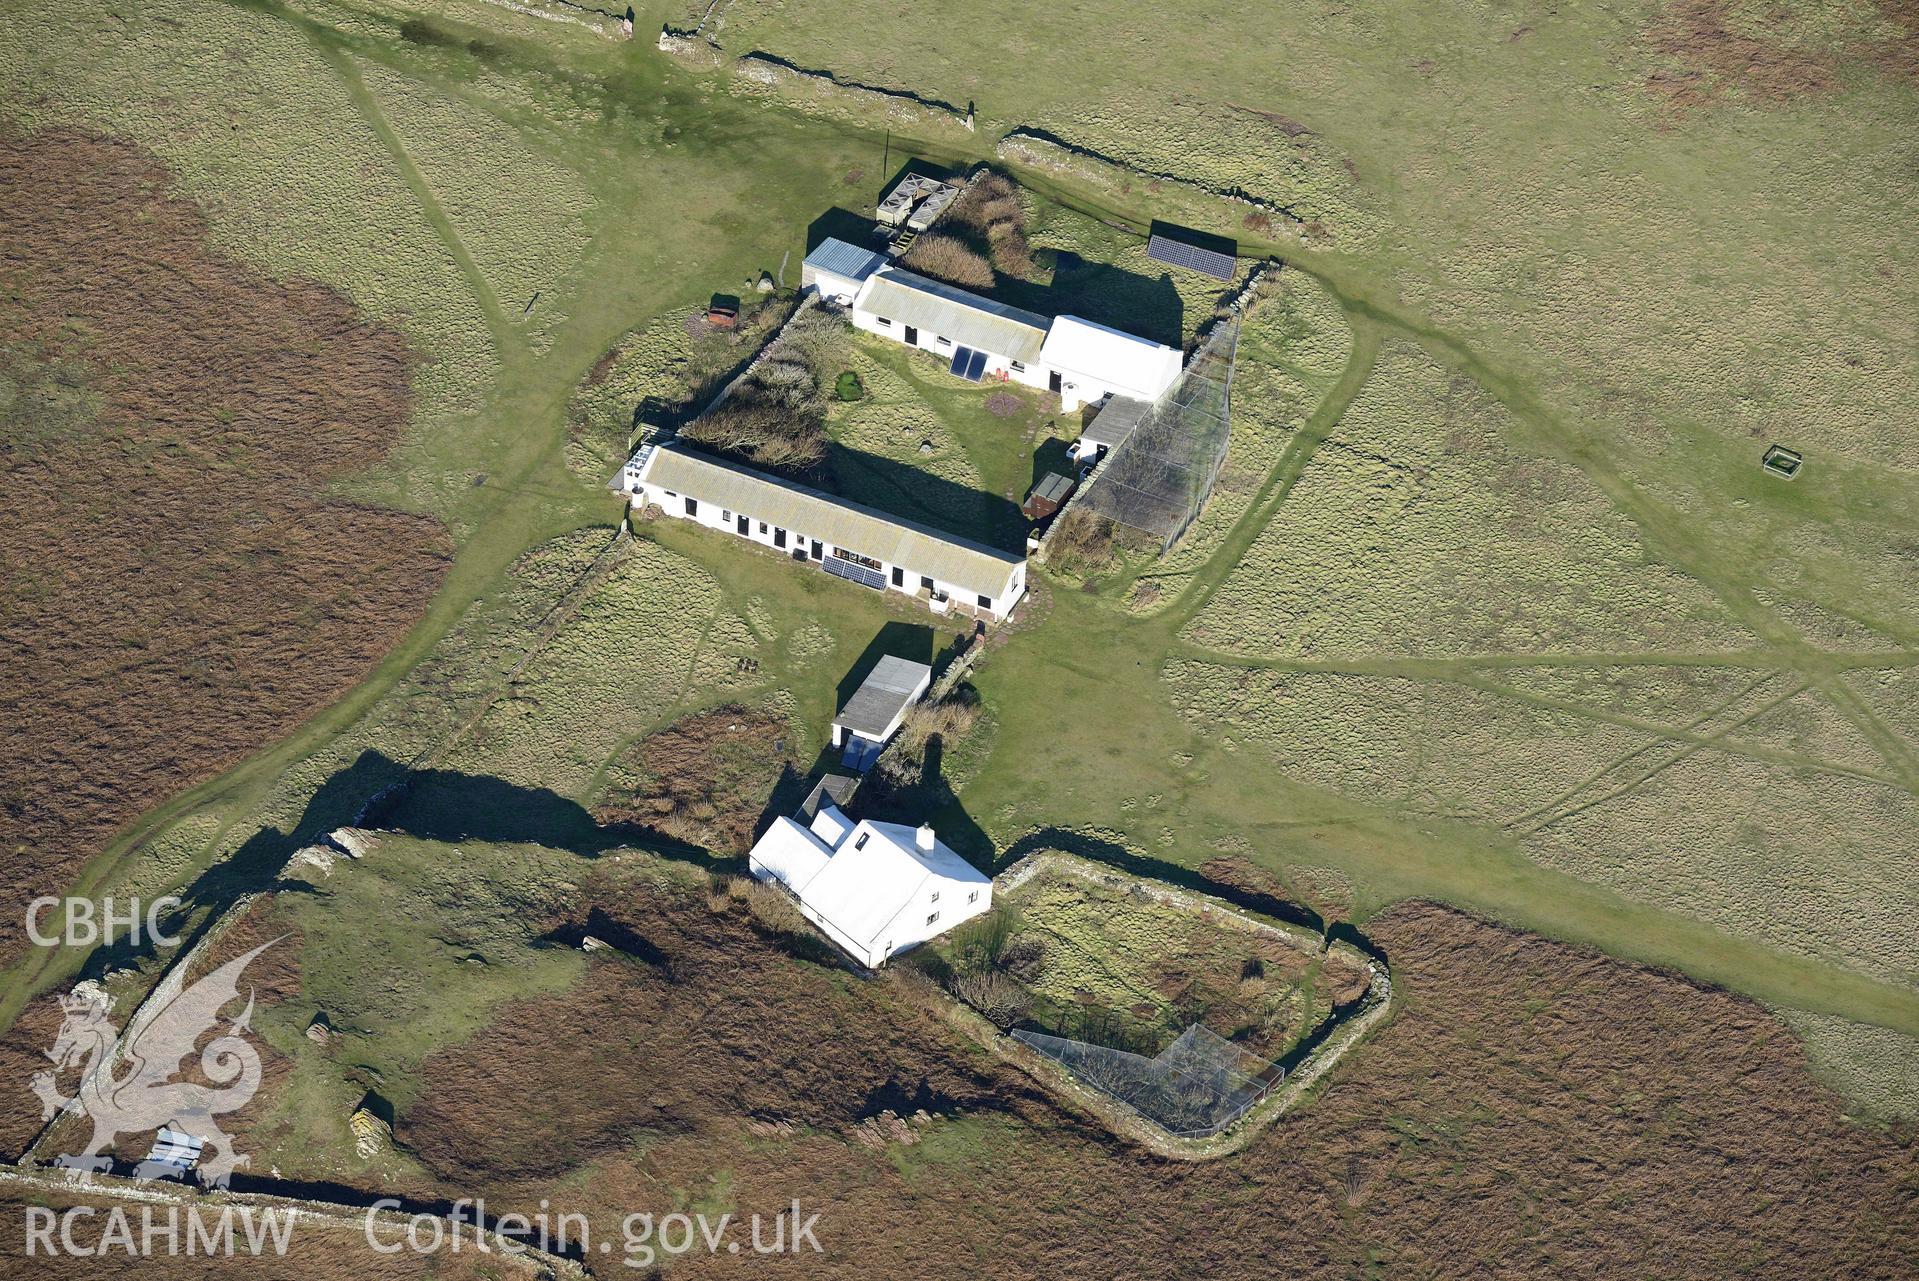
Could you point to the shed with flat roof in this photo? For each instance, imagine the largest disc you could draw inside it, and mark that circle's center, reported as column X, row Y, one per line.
column 874, row 712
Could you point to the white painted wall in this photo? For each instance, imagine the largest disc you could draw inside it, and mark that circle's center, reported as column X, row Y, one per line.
column 1034, row 375
column 950, row 899
column 798, row 541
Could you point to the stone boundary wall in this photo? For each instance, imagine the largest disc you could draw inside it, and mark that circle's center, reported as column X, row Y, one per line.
column 824, row 93
column 1207, row 207
column 1375, row 1008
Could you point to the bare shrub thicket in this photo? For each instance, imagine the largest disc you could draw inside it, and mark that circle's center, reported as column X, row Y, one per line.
column 947, row 721
column 992, row 210
column 950, row 259
column 776, row 416
column 704, row 779
column 1081, row 542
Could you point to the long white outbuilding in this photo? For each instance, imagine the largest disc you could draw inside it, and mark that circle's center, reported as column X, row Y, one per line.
column 985, row 340
column 846, row 539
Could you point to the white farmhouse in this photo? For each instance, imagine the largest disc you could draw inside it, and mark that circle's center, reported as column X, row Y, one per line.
column 875, row 889
column 856, row 543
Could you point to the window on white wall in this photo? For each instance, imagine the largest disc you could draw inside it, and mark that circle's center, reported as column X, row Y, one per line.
column 935, row 898
column 881, row 320
column 973, row 897
column 934, row 917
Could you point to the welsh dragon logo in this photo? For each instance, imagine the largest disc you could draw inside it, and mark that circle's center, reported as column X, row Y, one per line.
column 128, row 1084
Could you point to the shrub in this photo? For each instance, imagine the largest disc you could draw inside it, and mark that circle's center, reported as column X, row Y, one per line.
column 764, row 429
column 980, row 943
column 1002, row 1000
column 1024, row 957
column 847, row 386
column 1081, row 541
column 950, row 259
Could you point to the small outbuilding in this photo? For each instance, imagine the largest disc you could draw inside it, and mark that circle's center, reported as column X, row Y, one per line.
column 1116, row 419
column 874, row 712
column 874, row 889
column 837, row 270
column 1048, row 496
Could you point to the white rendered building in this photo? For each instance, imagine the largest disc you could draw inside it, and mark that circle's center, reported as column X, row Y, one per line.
column 875, row 889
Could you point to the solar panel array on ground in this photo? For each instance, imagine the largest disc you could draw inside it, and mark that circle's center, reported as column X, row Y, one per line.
column 1178, row 253
column 853, row 572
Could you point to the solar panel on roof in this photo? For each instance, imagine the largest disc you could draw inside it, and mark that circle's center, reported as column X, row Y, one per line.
column 1210, row 262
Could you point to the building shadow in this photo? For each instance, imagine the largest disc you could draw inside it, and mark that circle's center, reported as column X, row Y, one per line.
column 844, row 224
column 1130, row 301
column 1052, row 457
column 912, row 493
column 929, row 799
column 1114, row 855
column 911, row 641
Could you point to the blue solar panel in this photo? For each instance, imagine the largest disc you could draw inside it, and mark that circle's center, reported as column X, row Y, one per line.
column 853, row 572
column 975, row 366
column 958, row 367
column 1211, row 262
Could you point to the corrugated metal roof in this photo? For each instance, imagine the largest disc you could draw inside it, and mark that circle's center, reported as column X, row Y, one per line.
column 968, row 319
column 1121, row 360
column 967, row 565
column 843, row 259
column 1115, row 421
column 883, row 695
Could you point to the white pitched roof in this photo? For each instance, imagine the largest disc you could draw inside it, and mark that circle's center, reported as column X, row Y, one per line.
column 1137, row 367
column 874, row 874
column 791, row 852
column 907, row 298
column 862, row 885
column 967, row 565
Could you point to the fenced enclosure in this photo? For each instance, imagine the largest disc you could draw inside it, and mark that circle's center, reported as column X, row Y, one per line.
column 1158, row 478
column 1195, row 1087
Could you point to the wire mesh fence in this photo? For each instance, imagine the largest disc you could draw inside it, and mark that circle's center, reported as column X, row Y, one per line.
column 1195, row 1087
column 1159, row 477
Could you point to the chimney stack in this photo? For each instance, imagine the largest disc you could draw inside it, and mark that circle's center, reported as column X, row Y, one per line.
column 925, row 838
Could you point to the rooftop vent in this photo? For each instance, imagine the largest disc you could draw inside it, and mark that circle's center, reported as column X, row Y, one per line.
column 924, row 838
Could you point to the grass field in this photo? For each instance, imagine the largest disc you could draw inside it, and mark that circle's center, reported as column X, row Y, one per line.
column 1142, row 969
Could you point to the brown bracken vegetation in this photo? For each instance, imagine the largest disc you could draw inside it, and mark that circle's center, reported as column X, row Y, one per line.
column 176, row 586
column 950, row 259
column 704, row 779
column 1714, row 57
column 1535, row 1109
